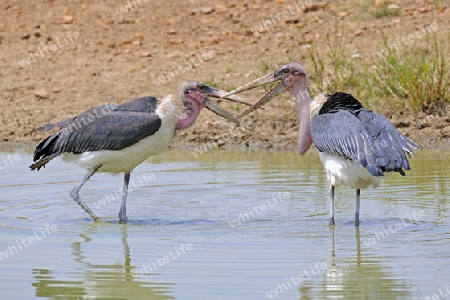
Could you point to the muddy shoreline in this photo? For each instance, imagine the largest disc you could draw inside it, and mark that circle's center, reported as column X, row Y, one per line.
column 114, row 59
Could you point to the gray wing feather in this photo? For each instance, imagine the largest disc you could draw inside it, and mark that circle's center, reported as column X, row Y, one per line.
column 113, row 131
column 104, row 127
column 94, row 111
column 366, row 137
column 145, row 104
column 336, row 133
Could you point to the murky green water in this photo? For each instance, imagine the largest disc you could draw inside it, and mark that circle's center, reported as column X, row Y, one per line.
column 182, row 243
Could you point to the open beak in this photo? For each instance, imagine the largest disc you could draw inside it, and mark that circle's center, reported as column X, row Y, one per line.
column 220, row 111
column 253, row 84
column 213, row 92
column 275, row 91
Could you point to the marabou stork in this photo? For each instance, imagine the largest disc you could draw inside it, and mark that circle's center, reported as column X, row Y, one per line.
column 356, row 146
column 117, row 138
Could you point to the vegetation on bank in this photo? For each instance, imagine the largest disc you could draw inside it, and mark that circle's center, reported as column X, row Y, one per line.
column 414, row 74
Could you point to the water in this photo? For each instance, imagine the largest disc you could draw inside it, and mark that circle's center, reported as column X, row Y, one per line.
column 182, row 243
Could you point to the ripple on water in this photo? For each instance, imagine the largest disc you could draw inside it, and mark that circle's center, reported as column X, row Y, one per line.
column 194, row 200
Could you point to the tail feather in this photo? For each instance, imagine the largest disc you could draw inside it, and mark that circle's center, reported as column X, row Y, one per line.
column 42, row 162
column 45, row 152
column 391, row 148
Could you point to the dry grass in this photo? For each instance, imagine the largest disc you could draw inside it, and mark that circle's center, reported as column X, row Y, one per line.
column 418, row 74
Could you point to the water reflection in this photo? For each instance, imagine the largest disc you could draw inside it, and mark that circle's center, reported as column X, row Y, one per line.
column 355, row 274
column 192, row 200
column 99, row 281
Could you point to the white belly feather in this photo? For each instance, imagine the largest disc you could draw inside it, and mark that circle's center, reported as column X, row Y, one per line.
column 350, row 173
column 127, row 159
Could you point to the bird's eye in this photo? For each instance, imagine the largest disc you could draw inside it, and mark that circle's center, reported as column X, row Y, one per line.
column 285, row 70
column 190, row 90
column 201, row 86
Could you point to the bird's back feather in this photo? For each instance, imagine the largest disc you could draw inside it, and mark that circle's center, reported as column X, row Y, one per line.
column 344, row 127
column 105, row 127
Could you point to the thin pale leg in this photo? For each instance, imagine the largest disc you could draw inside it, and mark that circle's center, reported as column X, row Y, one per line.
column 333, row 252
column 358, row 200
column 123, row 206
column 76, row 197
column 331, row 223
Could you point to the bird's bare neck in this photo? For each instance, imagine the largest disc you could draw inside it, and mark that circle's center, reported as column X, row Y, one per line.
column 304, row 131
column 188, row 116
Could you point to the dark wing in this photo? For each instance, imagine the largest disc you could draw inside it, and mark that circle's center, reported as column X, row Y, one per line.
column 94, row 111
column 366, row 137
column 390, row 145
column 113, row 131
column 145, row 104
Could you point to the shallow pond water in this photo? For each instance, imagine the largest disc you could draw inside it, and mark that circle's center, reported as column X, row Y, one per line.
column 194, row 231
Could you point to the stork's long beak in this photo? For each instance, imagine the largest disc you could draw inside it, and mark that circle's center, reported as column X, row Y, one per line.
column 253, row 84
column 220, row 111
column 213, row 92
column 275, row 91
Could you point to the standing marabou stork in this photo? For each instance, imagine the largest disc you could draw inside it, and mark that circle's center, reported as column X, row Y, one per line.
column 356, row 146
column 117, row 138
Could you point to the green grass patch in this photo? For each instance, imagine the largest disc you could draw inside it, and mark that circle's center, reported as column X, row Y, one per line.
column 383, row 11
column 421, row 77
column 334, row 71
column 211, row 83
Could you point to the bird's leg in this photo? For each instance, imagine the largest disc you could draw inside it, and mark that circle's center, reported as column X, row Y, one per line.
column 123, row 206
column 332, row 269
column 358, row 198
column 76, row 197
column 331, row 205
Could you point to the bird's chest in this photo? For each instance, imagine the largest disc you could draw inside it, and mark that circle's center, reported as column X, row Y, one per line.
column 161, row 139
column 169, row 115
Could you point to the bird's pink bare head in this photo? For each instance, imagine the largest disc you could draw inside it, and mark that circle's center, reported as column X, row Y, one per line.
column 191, row 94
column 293, row 76
column 194, row 94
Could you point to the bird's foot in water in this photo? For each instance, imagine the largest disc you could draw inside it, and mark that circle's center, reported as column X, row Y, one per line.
column 331, row 223
column 123, row 217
